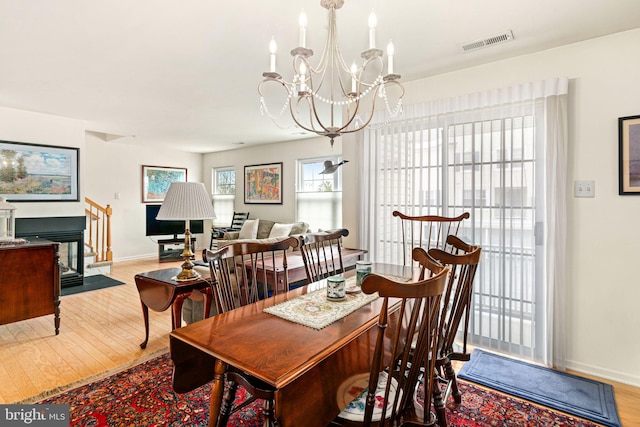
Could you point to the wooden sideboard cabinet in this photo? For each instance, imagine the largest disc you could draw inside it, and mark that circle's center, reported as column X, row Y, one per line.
column 29, row 282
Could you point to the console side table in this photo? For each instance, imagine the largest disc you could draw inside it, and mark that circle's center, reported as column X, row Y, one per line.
column 159, row 290
column 30, row 282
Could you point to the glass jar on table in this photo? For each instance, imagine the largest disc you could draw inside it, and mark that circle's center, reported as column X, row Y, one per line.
column 362, row 269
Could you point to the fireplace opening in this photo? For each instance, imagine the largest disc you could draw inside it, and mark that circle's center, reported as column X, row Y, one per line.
column 69, row 258
column 69, row 232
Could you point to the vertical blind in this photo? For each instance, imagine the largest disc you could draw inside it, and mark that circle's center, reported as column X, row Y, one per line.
column 498, row 155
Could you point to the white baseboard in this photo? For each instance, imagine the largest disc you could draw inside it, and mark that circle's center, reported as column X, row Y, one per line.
column 609, row 374
column 136, row 257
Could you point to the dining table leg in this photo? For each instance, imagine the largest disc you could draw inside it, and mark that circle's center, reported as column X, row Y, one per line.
column 216, row 393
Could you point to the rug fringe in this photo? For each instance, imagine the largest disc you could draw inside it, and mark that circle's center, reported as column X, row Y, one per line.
column 97, row 377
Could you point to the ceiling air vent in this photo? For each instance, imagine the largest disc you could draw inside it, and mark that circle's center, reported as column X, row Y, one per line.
column 487, row 41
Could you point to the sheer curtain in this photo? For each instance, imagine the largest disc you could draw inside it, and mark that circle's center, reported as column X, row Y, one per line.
column 502, row 156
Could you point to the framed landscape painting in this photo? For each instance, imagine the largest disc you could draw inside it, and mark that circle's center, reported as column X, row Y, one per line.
column 263, row 183
column 38, row 173
column 629, row 155
column 157, row 179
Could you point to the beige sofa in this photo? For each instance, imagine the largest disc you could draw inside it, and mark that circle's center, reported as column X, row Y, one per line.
column 193, row 307
column 265, row 228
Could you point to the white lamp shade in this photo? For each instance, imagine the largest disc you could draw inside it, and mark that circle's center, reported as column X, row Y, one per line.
column 186, row 201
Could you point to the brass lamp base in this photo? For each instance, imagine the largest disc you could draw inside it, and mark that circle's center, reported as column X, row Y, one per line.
column 187, row 273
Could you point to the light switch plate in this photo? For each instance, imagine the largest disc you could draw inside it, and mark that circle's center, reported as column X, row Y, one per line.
column 584, row 189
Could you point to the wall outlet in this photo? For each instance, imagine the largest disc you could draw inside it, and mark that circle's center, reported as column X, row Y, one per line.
column 584, row 189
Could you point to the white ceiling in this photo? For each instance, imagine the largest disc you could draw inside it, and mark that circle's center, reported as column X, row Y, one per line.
column 185, row 73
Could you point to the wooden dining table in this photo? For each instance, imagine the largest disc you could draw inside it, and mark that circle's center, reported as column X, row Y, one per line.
column 305, row 366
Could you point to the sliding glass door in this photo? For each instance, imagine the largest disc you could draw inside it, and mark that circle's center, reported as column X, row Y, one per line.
column 488, row 162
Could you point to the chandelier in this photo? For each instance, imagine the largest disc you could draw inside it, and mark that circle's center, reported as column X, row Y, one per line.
column 332, row 99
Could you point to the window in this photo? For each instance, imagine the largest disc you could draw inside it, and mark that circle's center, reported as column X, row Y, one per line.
column 225, row 181
column 224, row 194
column 318, row 196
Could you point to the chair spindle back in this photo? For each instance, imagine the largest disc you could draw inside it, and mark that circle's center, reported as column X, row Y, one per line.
column 322, row 254
column 426, row 231
column 238, row 273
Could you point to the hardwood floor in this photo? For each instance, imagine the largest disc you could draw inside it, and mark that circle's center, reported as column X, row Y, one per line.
column 101, row 331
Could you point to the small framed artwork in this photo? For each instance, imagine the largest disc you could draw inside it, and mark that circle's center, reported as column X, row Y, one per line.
column 629, row 155
column 157, row 179
column 38, row 173
column 263, row 183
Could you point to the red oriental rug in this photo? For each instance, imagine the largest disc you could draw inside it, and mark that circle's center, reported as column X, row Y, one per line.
column 143, row 396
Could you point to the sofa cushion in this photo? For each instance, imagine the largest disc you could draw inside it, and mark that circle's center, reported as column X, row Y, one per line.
column 267, row 240
column 264, row 228
column 280, row 230
column 249, row 229
column 193, row 308
column 299, row 228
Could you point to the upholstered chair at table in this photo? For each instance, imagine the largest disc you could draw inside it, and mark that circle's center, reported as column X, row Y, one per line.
column 239, row 279
column 384, row 396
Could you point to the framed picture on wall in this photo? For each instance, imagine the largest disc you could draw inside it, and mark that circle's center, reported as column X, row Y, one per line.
column 629, row 155
column 157, row 179
column 38, row 173
column 263, row 183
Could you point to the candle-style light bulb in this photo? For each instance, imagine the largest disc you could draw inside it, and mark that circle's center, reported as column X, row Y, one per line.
column 373, row 21
column 303, row 73
column 354, row 70
column 390, row 52
column 302, row 22
column 272, row 50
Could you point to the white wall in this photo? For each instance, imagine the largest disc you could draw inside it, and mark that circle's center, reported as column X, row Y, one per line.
column 36, row 128
column 603, row 289
column 116, row 167
column 287, row 153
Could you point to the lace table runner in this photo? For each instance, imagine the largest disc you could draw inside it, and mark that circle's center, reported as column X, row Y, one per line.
column 316, row 311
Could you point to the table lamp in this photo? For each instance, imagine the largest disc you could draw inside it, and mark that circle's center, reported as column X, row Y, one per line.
column 186, row 201
column 7, row 219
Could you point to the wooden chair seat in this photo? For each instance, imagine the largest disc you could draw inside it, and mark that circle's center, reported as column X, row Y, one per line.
column 353, row 393
column 395, row 367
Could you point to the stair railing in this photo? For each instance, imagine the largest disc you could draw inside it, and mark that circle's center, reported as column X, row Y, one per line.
column 99, row 230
